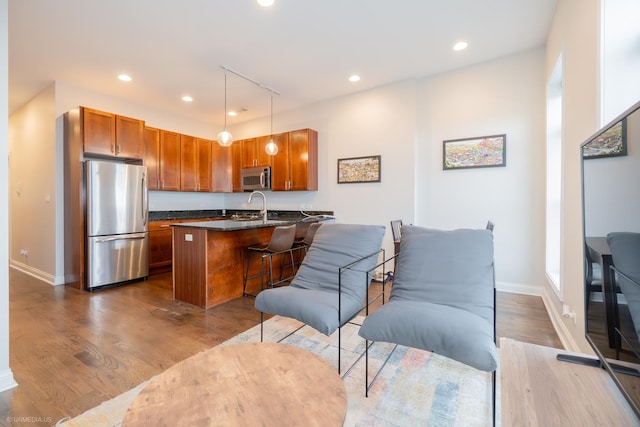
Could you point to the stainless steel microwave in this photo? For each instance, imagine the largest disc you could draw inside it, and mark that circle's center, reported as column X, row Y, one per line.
column 255, row 178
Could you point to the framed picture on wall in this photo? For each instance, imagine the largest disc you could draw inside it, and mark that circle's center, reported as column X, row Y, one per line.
column 359, row 169
column 611, row 143
column 478, row 152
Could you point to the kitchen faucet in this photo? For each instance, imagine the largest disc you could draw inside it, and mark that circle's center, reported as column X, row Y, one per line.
column 264, row 203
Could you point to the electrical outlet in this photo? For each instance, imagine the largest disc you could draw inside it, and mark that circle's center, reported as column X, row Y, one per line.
column 568, row 313
column 23, row 252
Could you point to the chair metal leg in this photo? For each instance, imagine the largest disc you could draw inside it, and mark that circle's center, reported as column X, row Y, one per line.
column 339, row 341
column 368, row 384
column 366, row 368
column 246, row 275
column 261, row 326
column 493, row 399
column 270, row 283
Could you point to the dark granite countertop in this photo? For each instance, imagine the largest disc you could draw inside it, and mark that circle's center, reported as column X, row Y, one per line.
column 233, row 225
column 281, row 215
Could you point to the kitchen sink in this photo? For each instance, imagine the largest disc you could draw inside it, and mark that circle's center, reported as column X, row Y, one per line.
column 245, row 217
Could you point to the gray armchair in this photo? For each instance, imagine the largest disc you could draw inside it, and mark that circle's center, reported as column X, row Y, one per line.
column 330, row 287
column 442, row 299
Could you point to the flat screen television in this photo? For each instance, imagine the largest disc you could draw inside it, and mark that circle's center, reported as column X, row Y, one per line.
column 611, row 204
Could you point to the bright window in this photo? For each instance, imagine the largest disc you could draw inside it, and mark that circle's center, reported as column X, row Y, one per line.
column 554, row 174
column 620, row 57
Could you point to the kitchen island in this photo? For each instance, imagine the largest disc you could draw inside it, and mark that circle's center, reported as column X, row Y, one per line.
column 209, row 257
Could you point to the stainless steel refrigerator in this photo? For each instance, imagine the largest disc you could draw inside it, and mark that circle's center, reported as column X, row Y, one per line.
column 117, row 223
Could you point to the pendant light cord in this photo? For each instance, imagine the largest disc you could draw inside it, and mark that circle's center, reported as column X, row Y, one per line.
column 225, row 100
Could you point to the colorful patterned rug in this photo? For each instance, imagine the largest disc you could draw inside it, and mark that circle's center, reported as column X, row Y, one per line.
column 414, row 388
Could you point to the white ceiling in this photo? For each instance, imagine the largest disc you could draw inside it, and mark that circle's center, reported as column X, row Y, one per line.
column 304, row 49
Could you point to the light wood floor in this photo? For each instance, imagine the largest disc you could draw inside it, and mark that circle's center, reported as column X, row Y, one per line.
column 70, row 350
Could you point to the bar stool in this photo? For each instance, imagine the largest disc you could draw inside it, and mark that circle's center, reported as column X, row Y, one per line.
column 396, row 231
column 281, row 243
column 303, row 242
column 308, row 237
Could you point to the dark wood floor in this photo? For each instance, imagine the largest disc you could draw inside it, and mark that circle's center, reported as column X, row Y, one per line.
column 70, row 350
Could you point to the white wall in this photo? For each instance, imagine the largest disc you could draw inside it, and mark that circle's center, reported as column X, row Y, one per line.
column 574, row 31
column 505, row 96
column 6, row 376
column 33, row 201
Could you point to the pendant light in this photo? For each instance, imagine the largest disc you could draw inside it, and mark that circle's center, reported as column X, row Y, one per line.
column 225, row 139
column 271, row 148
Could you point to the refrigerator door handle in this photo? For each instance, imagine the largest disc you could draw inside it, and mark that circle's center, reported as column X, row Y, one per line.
column 145, row 197
column 128, row 237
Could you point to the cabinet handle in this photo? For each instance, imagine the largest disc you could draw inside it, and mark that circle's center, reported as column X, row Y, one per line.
column 165, row 226
column 113, row 148
column 119, row 148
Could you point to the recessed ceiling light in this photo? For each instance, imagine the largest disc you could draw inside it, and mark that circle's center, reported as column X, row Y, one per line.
column 460, row 46
column 232, row 113
column 265, row 3
column 124, row 77
column 354, row 78
column 187, row 98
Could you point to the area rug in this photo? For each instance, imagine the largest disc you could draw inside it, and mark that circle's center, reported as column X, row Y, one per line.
column 414, row 388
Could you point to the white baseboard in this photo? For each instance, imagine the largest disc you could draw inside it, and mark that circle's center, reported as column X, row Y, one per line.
column 563, row 333
column 518, row 288
column 6, row 380
column 38, row 274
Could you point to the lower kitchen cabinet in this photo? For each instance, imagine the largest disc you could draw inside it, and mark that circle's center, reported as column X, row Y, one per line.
column 160, row 250
column 161, row 245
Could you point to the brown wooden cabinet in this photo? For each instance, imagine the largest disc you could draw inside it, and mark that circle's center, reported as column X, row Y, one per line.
column 152, row 157
column 280, row 170
column 162, row 159
column 253, row 152
column 295, row 167
column 204, row 165
column 221, row 168
column 303, row 160
column 195, row 164
column 169, row 155
column 236, row 166
column 108, row 134
column 161, row 242
column 160, row 249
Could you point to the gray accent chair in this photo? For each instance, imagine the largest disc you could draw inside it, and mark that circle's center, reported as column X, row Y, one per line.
column 442, row 299
column 330, row 287
column 625, row 273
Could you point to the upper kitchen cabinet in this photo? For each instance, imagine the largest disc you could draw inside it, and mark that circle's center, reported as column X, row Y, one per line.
column 280, row 170
column 253, row 152
column 222, row 167
column 295, row 167
column 169, row 160
column 162, row 158
column 195, row 164
column 236, row 165
column 108, row 134
column 152, row 157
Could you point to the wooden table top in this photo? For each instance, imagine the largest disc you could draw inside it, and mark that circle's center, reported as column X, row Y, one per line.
column 539, row 390
column 246, row 384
